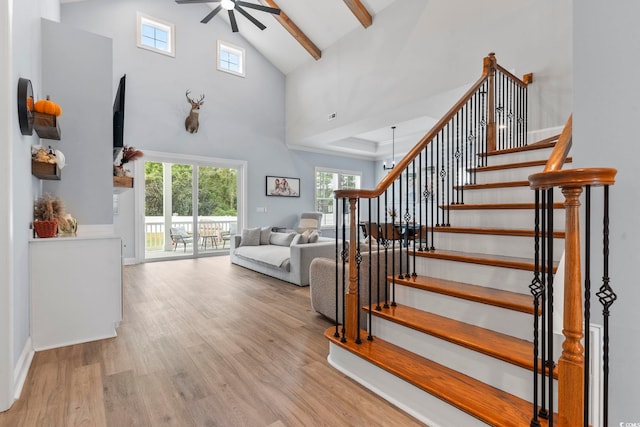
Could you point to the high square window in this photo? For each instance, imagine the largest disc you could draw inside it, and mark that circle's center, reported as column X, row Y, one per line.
column 230, row 58
column 156, row 35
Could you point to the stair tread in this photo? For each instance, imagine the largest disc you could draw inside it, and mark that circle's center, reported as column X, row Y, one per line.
column 515, row 165
column 517, row 263
column 487, row 403
column 500, row 346
column 491, row 296
column 492, row 231
column 472, row 206
column 501, row 184
column 538, row 145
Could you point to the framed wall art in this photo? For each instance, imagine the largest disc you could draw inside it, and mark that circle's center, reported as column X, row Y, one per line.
column 283, row 186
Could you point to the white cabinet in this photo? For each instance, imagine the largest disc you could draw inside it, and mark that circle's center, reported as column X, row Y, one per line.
column 76, row 290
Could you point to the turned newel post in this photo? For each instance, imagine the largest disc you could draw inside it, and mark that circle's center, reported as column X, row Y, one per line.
column 490, row 69
column 571, row 362
column 351, row 298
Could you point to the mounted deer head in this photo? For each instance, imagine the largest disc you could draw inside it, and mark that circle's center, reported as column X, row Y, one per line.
column 191, row 122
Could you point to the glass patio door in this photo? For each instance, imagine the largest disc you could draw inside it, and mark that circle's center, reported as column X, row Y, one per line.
column 190, row 210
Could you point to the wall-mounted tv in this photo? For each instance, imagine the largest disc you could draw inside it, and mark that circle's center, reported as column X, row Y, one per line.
column 118, row 118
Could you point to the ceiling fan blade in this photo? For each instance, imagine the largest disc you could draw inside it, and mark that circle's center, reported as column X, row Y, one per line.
column 250, row 18
column 234, row 24
column 197, row 1
column 213, row 13
column 258, row 7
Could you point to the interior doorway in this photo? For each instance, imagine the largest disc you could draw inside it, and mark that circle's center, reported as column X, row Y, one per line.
column 190, row 206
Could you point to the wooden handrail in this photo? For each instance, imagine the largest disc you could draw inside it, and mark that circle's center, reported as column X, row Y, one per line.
column 573, row 178
column 413, row 154
column 489, row 66
column 562, row 148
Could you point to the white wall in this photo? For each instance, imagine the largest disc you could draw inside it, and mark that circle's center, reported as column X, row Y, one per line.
column 19, row 57
column 413, row 51
column 605, row 127
column 241, row 119
column 78, row 76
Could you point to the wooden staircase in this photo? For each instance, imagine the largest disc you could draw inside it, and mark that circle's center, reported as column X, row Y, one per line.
column 455, row 348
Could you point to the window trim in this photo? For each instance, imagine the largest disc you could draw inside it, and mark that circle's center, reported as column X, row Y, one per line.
column 315, row 188
column 169, row 27
column 223, row 45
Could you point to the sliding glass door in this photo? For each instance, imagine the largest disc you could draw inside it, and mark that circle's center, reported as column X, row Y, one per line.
column 190, row 208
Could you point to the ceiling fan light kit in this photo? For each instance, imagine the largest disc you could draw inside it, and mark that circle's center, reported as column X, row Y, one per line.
column 232, row 6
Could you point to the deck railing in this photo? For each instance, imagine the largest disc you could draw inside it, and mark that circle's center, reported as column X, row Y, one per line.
column 155, row 226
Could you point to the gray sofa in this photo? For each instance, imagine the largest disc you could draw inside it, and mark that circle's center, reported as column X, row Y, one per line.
column 289, row 263
column 322, row 277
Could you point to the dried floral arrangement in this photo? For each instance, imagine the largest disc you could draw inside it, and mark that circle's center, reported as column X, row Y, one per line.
column 130, row 154
column 48, row 208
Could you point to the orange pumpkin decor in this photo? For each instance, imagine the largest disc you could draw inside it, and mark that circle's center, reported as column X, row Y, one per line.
column 47, row 106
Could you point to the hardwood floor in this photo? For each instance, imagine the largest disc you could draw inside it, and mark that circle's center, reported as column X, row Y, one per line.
column 202, row 343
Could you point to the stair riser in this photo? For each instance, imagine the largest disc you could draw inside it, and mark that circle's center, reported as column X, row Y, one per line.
column 505, row 195
column 502, row 218
column 507, row 175
column 523, row 156
column 517, row 246
column 497, row 373
column 507, row 279
column 423, row 406
column 502, row 320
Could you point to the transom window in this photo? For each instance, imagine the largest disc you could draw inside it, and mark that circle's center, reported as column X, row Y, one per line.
column 327, row 181
column 230, row 58
column 156, row 35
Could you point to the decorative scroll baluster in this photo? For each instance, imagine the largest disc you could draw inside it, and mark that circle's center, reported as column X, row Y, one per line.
column 550, row 365
column 606, row 297
column 537, row 288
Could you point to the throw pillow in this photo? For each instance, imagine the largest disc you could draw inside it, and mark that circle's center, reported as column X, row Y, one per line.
column 250, row 237
column 282, row 239
column 304, row 237
column 265, row 235
column 313, row 236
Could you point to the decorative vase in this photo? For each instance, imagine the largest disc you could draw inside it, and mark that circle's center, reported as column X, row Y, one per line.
column 45, row 228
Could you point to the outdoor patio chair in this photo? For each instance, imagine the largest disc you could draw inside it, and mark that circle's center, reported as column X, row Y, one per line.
column 180, row 235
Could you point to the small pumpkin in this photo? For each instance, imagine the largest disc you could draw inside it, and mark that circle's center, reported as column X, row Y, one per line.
column 47, row 106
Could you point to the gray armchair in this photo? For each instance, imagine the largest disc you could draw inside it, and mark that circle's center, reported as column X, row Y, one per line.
column 309, row 221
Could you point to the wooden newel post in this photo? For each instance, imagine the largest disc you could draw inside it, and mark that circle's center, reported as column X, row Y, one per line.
column 490, row 68
column 351, row 298
column 571, row 363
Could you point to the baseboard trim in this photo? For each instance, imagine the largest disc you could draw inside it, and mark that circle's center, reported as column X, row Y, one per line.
column 22, row 368
column 129, row 261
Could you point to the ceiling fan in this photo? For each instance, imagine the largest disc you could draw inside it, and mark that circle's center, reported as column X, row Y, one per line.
column 230, row 6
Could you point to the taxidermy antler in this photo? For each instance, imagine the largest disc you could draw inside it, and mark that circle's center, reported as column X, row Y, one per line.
column 191, row 122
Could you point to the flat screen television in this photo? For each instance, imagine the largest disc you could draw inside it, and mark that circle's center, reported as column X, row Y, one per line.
column 118, row 118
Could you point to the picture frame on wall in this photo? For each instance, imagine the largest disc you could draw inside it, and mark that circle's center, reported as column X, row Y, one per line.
column 283, row 186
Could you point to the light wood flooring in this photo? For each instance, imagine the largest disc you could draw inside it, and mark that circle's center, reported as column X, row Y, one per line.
column 202, row 343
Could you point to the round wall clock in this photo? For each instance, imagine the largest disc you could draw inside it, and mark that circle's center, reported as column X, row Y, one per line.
column 25, row 106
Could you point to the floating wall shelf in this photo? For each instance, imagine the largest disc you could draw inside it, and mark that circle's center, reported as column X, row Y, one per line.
column 46, row 125
column 44, row 170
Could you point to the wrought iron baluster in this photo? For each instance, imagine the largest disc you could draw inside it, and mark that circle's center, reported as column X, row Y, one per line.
column 543, row 412
column 537, row 288
column 338, row 254
column 344, row 268
column 587, row 301
column 607, row 297
column 549, row 267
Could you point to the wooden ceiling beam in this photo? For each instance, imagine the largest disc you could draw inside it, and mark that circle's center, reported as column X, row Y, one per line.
column 360, row 11
column 296, row 32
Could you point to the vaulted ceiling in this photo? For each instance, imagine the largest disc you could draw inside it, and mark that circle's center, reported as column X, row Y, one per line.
column 300, row 34
column 305, row 27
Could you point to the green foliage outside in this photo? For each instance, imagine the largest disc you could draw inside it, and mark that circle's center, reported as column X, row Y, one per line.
column 217, row 192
